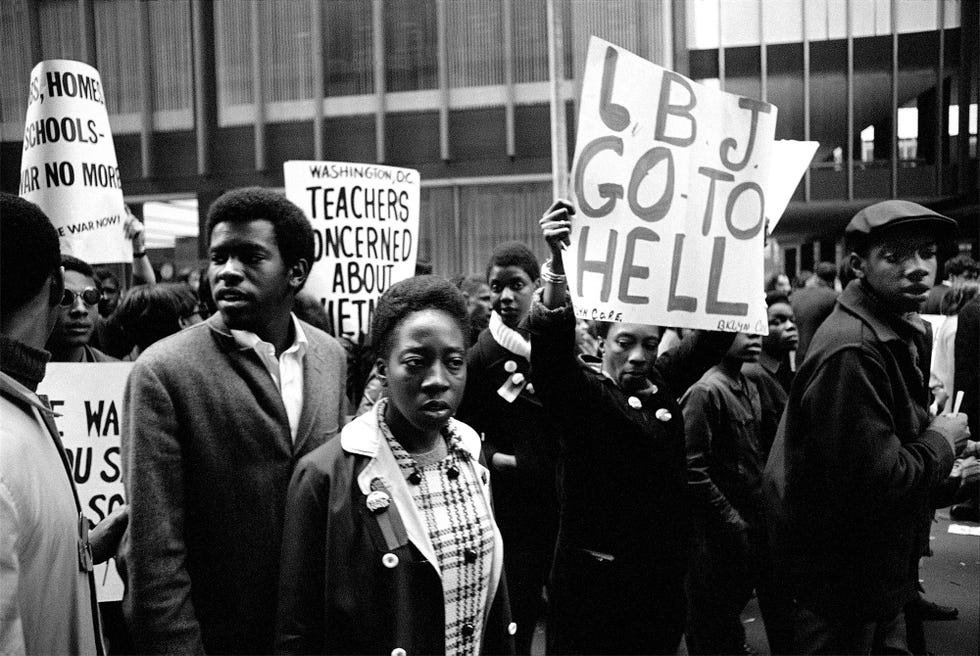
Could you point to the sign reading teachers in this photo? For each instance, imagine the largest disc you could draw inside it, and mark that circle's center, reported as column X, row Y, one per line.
column 670, row 180
column 366, row 223
column 68, row 167
column 88, row 398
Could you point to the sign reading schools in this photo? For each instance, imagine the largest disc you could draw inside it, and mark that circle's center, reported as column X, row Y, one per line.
column 69, row 165
column 89, row 399
column 365, row 220
column 670, row 179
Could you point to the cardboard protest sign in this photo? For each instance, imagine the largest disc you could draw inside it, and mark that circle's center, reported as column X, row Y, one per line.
column 793, row 159
column 88, row 398
column 366, row 222
column 69, row 164
column 670, row 179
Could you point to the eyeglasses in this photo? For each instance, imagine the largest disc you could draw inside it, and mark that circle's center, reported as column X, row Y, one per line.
column 90, row 296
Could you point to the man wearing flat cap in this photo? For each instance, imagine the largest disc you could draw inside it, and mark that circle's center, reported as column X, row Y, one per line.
column 857, row 453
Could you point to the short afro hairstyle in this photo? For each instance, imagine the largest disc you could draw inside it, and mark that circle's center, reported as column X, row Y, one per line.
column 774, row 297
column 960, row 264
column 72, row 263
column 29, row 251
column 148, row 313
column 414, row 295
column 514, row 253
column 294, row 234
column 102, row 274
column 826, row 271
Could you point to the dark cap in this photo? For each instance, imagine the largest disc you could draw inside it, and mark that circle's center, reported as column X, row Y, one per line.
column 893, row 213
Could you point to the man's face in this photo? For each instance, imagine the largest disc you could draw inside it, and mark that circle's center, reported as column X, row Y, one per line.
column 629, row 352
column 77, row 321
column 110, row 297
column 900, row 267
column 252, row 286
column 479, row 302
column 511, row 291
column 782, row 336
column 745, row 348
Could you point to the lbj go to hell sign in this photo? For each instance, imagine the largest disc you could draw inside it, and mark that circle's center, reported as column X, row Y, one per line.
column 670, row 179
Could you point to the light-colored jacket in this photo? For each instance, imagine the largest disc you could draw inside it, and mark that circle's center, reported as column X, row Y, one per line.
column 46, row 602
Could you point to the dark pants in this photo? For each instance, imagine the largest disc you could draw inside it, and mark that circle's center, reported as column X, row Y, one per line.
column 600, row 606
column 816, row 634
column 527, row 561
column 725, row 567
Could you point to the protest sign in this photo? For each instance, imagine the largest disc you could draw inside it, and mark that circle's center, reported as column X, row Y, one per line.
column 69, row 165
column 793, row 159
column 671, row 183
column 88, row 398
column 365, row 220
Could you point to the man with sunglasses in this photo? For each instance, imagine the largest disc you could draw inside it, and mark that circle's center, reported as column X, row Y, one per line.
column 78, row 316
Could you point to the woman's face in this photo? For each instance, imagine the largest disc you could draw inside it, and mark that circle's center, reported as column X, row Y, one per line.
column 425, row 370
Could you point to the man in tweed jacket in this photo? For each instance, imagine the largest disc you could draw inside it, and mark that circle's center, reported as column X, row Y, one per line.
column 215, row 419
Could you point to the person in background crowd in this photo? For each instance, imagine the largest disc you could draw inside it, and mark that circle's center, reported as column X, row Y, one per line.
column 390, row 544
column 47, row 592
column 214, row 420
column 801, row 280
column 960, row 268
column 779, row 282
column 111, row 291
column 965, row 379
column 617, row 584
column 69, row 342
column 943, row 370
column 309, row 309
column 856, row 457
column 723, row 425
column 773, row 372
column 519, row 440
column 148, row 314
column 478, row 303
column 813, row 304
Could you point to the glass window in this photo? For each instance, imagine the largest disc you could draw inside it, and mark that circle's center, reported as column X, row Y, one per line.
column 348, row 47
column 116, row 31
column 411, row 61
column 474, row 38
column 286, row 27
column 530, row 31
column 233, row 53
column 170, row 53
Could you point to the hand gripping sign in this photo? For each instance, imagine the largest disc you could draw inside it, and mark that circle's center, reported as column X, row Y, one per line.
column 365, row 221
column 671, row 180
column 69, row 161
column 89, row 401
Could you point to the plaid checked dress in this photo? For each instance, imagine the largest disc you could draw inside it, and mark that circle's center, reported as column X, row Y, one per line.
column 461, row 531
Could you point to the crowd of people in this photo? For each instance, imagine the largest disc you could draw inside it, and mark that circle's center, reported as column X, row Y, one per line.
column 483, row 463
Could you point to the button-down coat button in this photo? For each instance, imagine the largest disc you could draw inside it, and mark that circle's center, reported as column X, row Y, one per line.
column 510, row 366
column 469, row 555
column 663, row 414
column 389, row 560
column 452, row 472
column 398, row 651
column 634, row 402
column 517, row 378
column 468, row 629
column 512, row 628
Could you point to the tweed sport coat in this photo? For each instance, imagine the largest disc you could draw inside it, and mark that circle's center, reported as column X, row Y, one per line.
column 207, row 458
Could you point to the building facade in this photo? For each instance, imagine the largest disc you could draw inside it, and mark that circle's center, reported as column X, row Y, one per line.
column 207, row 96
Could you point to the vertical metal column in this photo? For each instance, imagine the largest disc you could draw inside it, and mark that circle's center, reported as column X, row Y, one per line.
column 508, row 20
column 721, row 48
column 143, row 36
column 806, row 97
column 205, row 83
column 442, row 58
column 556, row 77
column 34, row 25
column 893, row 150
column 86, row 25
column 850, row 102
column 377, row 35
column 258, row 86
column 941, row 130
column 319, row 88
column 763, row 54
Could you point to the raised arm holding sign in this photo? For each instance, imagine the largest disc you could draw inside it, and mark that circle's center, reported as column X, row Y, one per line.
column 670, row 178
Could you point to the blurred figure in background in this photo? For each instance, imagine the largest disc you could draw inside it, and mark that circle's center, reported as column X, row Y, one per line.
column 957, row 269
column 148, row 314
column 813, row 304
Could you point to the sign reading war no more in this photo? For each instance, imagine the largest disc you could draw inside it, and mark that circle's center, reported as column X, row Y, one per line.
column 670, row 180
column 365, row 221
column 68, row 167
column 88, row 398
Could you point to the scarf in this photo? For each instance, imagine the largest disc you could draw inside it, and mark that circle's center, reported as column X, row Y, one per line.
column 509, row 338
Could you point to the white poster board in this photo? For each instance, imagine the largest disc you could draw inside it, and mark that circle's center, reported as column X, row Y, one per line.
column 69, row 165
column 365, row 219
column 670, row 179
column 88, row 398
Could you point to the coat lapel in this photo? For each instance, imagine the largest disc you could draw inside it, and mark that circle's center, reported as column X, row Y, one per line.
column 313, row 395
